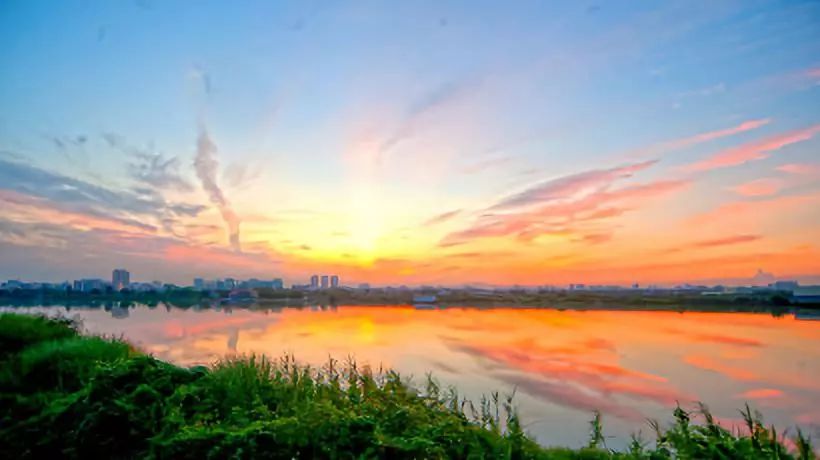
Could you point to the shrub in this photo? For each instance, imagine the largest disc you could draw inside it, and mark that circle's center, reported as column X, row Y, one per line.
column 20, row 331
column 67, row 364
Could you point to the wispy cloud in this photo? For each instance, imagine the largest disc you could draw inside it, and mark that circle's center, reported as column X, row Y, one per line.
column 761, row 393
column 573, row 205
column 726, row 241
column 569, row 187
column 483, row 165
column 240, row 174
column 803, row 169
column 761, row 209
column 691, row 141
column 149, row 167
column 77, row 196
column 440, row 218
column 417, row 112
column 758, row 187
column 207, row 166
column 752, row 151
column 158, row 171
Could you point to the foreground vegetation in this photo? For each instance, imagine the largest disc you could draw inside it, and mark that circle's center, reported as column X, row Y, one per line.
column 66, row 395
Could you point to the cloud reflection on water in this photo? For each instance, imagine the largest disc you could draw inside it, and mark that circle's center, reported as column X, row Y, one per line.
column 563, row 365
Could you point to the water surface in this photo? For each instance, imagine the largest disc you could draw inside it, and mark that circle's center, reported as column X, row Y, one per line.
column 563, row 365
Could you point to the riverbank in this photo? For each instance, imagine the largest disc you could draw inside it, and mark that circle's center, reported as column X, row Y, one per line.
column 64, row 394
column 776, row 302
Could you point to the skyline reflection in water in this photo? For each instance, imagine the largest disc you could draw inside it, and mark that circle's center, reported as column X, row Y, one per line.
column 563, row 365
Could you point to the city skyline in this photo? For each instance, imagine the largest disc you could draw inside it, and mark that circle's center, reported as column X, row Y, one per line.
column 557, row 143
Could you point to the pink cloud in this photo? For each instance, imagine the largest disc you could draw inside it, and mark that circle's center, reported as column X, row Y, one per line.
column 566, row 206
column 761, row 393
column 752, row 151
column 678, row 144
column 758, row 187
column 571, row 186
column 805, row 169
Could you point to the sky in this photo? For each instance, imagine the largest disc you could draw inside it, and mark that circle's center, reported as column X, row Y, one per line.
column 411, row 143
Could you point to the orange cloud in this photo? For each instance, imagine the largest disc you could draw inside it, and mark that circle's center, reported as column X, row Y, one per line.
column 178, row 253
column 728, row 340
column 762, row 208
column 726, row 241
column 752, row 151
column 709, row 364
column 761, row 393
column 758, row 187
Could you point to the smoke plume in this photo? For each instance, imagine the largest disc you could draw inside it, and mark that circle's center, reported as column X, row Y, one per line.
column 206, row 167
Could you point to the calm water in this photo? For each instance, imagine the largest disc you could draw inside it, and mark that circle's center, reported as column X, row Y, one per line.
column 563, row 364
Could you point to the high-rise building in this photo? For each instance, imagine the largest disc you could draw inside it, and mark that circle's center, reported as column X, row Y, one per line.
column 334, row 281
column 314, row 282
column 324, row 282
column 199, row 284
column 91, row 284
column 120, row 279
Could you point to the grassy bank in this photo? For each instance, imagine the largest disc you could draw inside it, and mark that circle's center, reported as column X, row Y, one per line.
column 66, row 395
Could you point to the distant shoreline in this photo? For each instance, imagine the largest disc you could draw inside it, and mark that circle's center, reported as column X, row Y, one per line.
column 766, row 301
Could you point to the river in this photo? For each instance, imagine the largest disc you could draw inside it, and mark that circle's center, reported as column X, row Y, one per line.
column 562, row 364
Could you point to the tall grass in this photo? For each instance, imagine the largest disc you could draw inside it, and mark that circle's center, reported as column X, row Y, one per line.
column 90, row 397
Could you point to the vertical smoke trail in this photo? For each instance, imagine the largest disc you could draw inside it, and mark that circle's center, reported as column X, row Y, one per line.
column 206, row 169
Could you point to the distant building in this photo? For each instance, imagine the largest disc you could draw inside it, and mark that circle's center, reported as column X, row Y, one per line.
column 120, row 279
column 90, row 284
column 314, row 282
column 242, row 295
column 254, row 283
column 334, row 281
column 789, row 286
column 325, row 282
column 364, row 286
column 13, row 284
column 806, row 294
column 199, row 283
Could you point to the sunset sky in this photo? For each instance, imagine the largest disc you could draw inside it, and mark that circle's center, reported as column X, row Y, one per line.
column 411, row 142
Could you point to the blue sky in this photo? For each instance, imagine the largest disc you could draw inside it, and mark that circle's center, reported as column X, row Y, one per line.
column 343, row 126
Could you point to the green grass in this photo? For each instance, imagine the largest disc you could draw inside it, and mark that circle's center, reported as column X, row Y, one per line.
column 68, row 396
column 20, row 331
